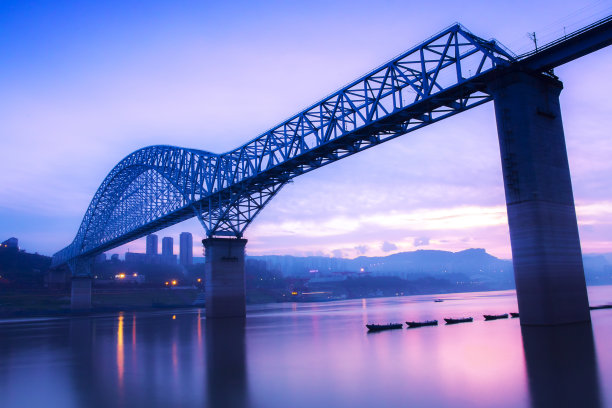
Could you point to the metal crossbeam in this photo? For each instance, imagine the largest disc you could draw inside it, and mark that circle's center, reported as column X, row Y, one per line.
column 159, row 186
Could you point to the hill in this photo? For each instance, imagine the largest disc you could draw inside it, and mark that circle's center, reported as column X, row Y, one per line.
column 19, row 268
column 473, row 263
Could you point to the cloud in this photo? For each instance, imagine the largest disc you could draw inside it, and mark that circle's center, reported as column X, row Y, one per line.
column 388, row 246
column 361, row 249
column 420, row 241
column 337, row 253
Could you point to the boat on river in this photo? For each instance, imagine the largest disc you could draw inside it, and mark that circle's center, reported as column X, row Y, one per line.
column 381, row 327
column 600, row 307
column 495, row 317
column 460, row 320
column 421, row 324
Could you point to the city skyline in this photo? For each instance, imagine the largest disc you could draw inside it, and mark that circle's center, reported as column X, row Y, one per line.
column 167, row 248
column 438, row 188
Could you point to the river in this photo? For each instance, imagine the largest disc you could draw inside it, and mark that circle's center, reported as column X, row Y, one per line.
column 310, row 355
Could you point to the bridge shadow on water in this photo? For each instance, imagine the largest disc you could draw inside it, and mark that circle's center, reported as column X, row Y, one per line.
column 211, row 371
column 562, row 366
column 226, row 362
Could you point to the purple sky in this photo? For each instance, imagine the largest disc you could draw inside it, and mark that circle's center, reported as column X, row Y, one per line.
column 84, row 86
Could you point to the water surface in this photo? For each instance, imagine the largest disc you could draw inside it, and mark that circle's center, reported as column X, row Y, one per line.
column 309, row 354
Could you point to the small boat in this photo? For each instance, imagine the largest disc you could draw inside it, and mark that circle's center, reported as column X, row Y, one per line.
column 421, row 324
column 438, row 300
column 513, row 315
column 460, row 320
column 495, row 317
column 600, row 307
column 380, row 327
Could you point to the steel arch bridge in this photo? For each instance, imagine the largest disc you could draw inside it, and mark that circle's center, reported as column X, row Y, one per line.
column 159, row 186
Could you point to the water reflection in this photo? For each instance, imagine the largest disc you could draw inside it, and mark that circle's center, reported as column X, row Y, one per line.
column 226, row 362
column 562, row 366
column 133, row 331
column 81, row 333
column 307, row 355
column 120, row 354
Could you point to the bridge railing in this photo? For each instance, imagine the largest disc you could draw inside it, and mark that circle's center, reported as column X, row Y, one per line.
column 447, row 59
column 565, row 37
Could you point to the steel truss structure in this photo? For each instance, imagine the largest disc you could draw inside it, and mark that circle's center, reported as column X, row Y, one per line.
column 158, row 186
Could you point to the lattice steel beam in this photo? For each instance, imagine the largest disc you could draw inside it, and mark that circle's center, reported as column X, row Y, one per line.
column 158, row 186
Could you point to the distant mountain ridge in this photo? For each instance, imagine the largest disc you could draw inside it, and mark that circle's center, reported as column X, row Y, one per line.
column 473, row 261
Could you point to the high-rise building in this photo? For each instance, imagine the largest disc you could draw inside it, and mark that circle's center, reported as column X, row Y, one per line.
column 167, row 246
column 186, row 249
column 152, row 244
column 167, row 256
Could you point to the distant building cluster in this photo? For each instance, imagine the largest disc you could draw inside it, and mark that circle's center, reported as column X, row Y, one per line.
column 166, row 257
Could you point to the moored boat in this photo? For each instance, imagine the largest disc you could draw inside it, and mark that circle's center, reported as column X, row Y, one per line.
column 495, row 317
column 438, row 300
column 514, row 315
column 460, row 320
column 600, row 307
column 380, row 327
column 421, row 324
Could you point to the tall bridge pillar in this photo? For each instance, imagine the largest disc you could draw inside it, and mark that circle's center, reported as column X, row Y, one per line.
column 224, row 275
column 80, row 292
column 546, row 254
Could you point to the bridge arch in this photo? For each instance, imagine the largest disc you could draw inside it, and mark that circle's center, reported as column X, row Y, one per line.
column 143, row 187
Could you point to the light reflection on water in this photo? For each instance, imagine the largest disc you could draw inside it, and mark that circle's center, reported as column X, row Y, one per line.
column 314, row 354
column 120, row 351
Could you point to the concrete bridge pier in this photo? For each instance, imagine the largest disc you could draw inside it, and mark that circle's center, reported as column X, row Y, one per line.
column 224, row 276
column 547, row 258
column 80, row 293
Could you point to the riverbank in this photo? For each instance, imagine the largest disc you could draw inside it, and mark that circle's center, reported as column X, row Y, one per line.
column 24, row 303
column 45, row 303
